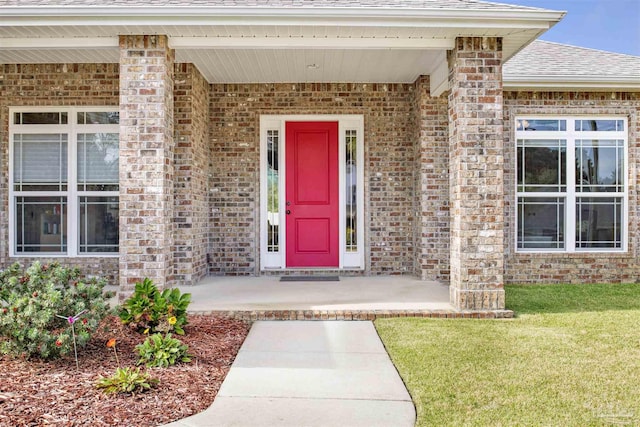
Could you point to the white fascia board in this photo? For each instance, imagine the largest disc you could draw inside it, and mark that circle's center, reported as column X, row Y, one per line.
column 47, row 16
column 619, row 83
column 29, row 43
column 309, row 43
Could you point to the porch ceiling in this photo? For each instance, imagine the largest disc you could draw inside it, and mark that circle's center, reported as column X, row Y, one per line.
column 265, row 47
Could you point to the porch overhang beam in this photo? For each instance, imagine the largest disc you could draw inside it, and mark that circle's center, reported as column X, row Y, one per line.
column 310, row 43
column 59, row 43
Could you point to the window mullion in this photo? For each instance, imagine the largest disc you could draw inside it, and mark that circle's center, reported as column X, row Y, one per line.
column 72, row 200
column 570, row 206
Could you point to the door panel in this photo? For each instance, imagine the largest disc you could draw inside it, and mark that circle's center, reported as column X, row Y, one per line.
column 312, row 194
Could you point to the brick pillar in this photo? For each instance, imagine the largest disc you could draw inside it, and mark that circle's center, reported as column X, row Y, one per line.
column 432, row 184
column 476, row 174
column 146, row 161
column 191, row 214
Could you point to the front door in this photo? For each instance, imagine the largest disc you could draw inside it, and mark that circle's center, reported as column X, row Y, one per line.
column 312, row 198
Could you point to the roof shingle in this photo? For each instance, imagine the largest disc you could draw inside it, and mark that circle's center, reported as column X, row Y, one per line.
column 542, row 58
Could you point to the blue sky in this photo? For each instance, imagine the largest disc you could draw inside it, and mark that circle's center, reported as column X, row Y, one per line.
column 612, row 25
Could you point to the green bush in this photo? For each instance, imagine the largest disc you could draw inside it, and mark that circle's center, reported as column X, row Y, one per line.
column 37, row 306
column 149, row 310
column 127, row 380
column 159, row 351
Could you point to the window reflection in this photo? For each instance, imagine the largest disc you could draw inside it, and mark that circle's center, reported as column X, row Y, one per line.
column 541, row 223
column 599, row 165
column 351, row 191
column 599, row 222
column 541, row 165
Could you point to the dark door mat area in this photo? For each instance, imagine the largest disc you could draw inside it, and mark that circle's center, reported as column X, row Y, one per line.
column 309, row 279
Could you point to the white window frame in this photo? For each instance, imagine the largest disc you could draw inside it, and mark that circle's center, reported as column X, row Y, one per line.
column 571, row 135
column 71, row 129
column 347, row 260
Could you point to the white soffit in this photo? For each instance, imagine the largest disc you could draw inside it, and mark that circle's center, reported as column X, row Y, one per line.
column 310, row 65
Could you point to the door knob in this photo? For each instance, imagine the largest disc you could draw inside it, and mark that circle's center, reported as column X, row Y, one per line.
column 288, row 212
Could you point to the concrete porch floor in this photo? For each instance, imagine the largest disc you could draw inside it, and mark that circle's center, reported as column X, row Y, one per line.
column 267, row 293
column 351, row 298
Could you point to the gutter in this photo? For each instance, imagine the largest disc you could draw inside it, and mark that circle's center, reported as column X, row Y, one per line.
column 564, row 82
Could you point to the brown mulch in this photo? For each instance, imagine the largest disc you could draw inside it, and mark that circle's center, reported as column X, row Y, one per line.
column 35, row 392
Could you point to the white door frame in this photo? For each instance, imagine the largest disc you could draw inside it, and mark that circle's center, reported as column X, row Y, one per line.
column 353, row 259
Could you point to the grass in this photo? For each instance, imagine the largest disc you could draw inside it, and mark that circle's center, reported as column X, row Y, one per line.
column 527, row 299
column 571, row 358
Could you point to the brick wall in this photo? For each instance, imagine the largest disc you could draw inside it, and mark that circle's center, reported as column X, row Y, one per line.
column 432, row 184
column 191, row 210
column 575, row 267
column 389, row 158
column 52, row 85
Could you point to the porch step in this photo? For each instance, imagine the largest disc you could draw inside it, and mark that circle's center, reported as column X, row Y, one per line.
column 251, row 315
column 316, row 272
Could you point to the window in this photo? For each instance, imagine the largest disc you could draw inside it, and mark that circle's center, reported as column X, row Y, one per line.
column 571, row 189
column 64, row 177
column 351, row 190
column 273, row 183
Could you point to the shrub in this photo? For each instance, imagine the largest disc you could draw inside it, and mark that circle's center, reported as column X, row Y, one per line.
column 149, row 310
column 36, row 303
column 159, row 351
column 127, row 380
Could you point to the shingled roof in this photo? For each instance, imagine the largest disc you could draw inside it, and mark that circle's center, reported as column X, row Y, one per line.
column 404, row 4
column 550, row 64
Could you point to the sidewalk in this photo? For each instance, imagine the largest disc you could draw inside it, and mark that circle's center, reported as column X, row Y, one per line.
column 298, row 373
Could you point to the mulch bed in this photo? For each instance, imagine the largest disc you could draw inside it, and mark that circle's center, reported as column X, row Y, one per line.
column 36, row 392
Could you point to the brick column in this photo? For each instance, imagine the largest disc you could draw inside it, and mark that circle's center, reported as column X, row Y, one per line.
column 146, row 161
column 476, row 174
column 192, row 156
column 432, row 184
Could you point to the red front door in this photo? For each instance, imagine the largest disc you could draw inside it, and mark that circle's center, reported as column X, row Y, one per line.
column 312, row 194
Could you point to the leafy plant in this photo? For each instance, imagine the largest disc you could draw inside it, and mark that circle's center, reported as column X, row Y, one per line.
column 127, row 380
column 36, row 306
column 149, row 310
column 159, row 351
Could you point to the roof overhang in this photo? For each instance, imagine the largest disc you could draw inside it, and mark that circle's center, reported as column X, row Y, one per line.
column 275, row 44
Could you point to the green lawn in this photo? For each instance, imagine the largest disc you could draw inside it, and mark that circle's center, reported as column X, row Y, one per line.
column 570, row 358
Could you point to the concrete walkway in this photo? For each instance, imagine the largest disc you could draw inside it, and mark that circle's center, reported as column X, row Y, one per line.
column 299, row 373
